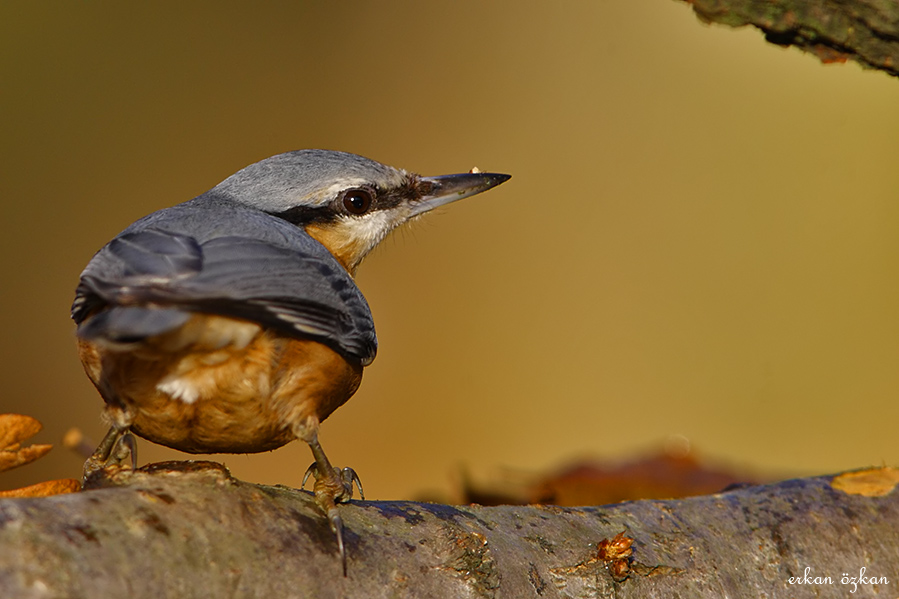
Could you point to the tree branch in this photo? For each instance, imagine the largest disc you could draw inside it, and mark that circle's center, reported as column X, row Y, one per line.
column 866, row 31
column 188, row 529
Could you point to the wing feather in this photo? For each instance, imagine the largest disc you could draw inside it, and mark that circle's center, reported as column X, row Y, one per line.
column 292, row 285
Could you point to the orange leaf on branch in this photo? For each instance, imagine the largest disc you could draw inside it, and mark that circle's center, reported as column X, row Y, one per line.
column 14, row 429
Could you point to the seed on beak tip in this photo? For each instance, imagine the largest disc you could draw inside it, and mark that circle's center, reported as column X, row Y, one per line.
column 474, row 170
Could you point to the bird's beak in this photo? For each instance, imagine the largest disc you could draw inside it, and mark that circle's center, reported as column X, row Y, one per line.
column 449, row 188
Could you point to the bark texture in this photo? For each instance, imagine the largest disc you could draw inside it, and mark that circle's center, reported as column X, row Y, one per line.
column 188, row 529
column 866, row 31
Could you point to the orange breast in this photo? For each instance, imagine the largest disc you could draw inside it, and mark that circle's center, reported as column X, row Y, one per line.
column 211, row 388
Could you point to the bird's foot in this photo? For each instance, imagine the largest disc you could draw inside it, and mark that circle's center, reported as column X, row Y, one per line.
column 330, row 488
column 339, row 485
column 115, row 449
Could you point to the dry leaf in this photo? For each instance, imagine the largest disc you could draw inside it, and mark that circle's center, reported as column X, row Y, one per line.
column 10, row 459
column 45, row 489
column 873, row 482
column 15, row 428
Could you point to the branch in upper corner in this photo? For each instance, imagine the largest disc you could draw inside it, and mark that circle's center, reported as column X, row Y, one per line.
column 866, row 31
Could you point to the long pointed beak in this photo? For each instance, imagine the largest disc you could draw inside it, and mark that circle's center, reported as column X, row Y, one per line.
column 449, row 188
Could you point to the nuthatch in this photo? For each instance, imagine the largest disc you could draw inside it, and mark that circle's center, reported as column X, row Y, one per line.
column 231, row 323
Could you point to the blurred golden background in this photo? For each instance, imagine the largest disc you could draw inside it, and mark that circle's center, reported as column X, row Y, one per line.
column 699, row 238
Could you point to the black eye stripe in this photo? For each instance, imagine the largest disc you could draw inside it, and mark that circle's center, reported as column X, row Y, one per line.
column 330, row 212
column 304, row 215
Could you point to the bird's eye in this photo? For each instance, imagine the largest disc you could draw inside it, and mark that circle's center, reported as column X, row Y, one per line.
column 357, row 201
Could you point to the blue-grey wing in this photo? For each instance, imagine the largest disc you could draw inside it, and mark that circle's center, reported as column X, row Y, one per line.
column 295, row 287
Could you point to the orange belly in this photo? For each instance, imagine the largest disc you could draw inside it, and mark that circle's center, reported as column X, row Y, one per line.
column 199, row 391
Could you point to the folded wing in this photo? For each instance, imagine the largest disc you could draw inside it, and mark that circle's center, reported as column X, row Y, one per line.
column 295, row 287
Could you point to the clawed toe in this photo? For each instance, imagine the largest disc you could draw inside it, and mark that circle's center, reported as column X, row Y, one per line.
column 349, row 476
column 117, row 447
column 125, row 449
column 311, row 470
column 339, row 485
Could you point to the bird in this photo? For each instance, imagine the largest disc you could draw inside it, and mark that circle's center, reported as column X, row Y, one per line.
column 232, row 323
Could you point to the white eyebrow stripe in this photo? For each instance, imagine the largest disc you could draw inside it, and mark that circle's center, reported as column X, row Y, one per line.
column 326, row 194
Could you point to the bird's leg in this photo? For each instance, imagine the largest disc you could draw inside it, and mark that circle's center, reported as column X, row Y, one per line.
column 115, row 448
column 348, row 478
column 332, row 486
column 100, row 456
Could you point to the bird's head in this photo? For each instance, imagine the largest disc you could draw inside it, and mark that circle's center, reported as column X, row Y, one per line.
column 346, row 202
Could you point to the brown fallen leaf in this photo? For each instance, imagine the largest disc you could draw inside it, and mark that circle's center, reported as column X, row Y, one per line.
column 10, row 459
column 15, row 428
column 672, row 471
column 872, row 482
column 44, row 489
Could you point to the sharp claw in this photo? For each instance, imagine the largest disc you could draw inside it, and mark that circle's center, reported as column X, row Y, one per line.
column 129, row 443
column 349, row 477
column 313, row 470
column 337, row 528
